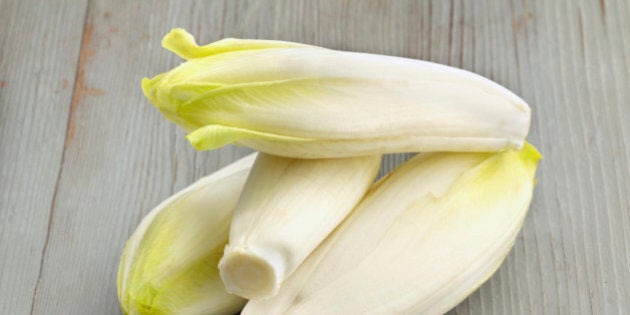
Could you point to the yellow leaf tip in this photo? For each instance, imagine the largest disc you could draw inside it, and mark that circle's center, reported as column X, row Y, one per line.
column 147, row 86
column 200, row 140
column 180, row 42
column 530, row 152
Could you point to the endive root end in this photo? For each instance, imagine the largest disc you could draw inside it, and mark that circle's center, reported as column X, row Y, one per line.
column 247, row 274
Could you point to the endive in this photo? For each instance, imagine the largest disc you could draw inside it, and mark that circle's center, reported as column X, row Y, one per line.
column 288, row 206
column 169, row 265
column 304, row 101
column 423, row 238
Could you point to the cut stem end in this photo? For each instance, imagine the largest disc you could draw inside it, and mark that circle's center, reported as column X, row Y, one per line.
column 247, row 274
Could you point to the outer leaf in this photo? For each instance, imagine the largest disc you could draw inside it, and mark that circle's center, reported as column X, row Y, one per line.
column 169, row 265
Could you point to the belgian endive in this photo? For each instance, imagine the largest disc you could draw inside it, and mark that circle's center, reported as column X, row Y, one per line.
column 287, row 208
column 169, row 265
column 304, row 101
column 423, row 238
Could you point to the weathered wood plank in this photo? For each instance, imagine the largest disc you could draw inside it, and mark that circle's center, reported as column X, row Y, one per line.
column 122, row 158
column 569, row 59
column 572, row 255
column 39, row 46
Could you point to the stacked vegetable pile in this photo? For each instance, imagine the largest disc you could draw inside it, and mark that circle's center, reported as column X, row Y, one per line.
column 300, row 228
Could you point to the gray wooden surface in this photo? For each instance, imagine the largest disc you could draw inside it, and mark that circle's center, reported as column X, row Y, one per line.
column 83, row 156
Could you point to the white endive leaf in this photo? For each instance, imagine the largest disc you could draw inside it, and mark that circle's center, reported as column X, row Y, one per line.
column 303, row 101
column 169, row 265
column 423, row 239
column 287, row 208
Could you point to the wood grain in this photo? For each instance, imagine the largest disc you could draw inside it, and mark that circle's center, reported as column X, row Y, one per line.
column 39, row 48
column 84, row 156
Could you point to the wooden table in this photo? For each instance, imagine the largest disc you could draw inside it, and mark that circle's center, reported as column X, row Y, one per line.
column 83, row 155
